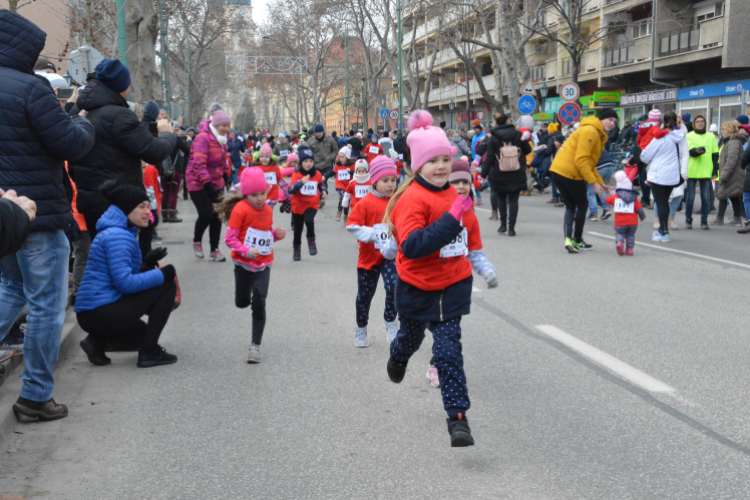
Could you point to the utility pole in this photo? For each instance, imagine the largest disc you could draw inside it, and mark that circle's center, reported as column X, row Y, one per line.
column 122, row 37
column 187, row 73
column 400, row 71
column 346, row 73
column 166, row 93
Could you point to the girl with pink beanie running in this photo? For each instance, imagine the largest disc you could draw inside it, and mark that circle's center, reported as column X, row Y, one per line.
column 251, row 237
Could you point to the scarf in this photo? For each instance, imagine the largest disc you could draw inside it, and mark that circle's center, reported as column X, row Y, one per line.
column 361, row 178
column 304, row 172
column 379, row 194
column 221, row 138
column 422, row 177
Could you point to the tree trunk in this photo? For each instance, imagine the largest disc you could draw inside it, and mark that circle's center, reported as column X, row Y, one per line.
column 142, row 28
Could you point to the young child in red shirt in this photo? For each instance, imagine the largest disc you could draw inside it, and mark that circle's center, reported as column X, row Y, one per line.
column 304, row 186
column 434, row 281
column 626, row 206
column 343, row 172
column 251, row 237
column 372, row 150
column 359, row 187
column 272, row 173
column 366, row 224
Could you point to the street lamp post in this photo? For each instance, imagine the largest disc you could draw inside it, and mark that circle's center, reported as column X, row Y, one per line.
column 543, row 92
column 68, row 78
column 451, row 106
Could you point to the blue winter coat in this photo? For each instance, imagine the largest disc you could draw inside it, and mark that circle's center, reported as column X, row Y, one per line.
column 36, row 135
column 112, row 269
column 234, row 148
column 474, row 140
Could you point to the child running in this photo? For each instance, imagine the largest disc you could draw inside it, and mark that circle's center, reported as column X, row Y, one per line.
column 251, row 236
column 360, row 186
column 343, row 171
column 626, row 205
column 305, row 183
column 365, row 224
column 434, row 282
column 272, row 172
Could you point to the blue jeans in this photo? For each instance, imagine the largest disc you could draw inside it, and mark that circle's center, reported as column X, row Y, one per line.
column 555, row 192
column 37, row 275
column 606, row 174
column 690, row 198
column 746, row 201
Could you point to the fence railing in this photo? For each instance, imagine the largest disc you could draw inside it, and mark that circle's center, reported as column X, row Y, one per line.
column 679, row 41
column 623, row 53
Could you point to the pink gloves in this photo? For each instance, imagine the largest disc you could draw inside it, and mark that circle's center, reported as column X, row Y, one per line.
column 460, row 205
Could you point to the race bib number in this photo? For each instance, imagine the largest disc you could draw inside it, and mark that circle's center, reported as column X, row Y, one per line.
column 624, row 208
column 284, row 153
column 401, row 157
column 310, row 188
column 362, row 191
column 381, row 231
column 344, row 175
column 374, row 150
column 270, row 177
column 262, row 240
column 456, row 248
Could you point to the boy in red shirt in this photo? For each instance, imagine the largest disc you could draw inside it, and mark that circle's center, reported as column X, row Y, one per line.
column 343, row 171
column 359, row 187
column 626, row 206
column 303, row 188
column 373, row 150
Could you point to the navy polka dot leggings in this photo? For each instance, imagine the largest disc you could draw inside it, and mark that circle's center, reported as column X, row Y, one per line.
column 446, row 356
column 366, row 286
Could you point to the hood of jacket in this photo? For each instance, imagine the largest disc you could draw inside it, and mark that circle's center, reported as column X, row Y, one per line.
column 676, row 135
column 97, row 95
column 21, row 42
column 114, row 217
column 740, row 136
column 205, row 126
column 505, row 132
column 593, row 121
column 627, row 195
column 457, row 139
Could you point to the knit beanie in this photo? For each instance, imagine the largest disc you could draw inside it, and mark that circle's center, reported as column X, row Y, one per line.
column 743, row 119
column 425, row 140
column 123, row 196
column 460, row 171
column 292, row 157
column 151, row 111
column 654, row 116
column 218, row 115
column 608, row 113
column 381, row 166
column 346, row 151
column 113, row 74
column 265, row 150
column 374, row 137
column 526, row 122
column 687, row 117
column 622, row 180
column 552, row 128
column 305, row 154
column 319, row 128
column 362, row 164
column 253, row 181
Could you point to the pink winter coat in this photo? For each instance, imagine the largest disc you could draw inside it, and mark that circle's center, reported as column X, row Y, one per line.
column 208, row 160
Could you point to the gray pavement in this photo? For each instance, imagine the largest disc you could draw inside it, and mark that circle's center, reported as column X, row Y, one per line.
column 319, row 418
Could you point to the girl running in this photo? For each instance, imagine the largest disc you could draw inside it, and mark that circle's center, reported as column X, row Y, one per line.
column 360, row 186
column 434, row 282
column 272, row 173
column 343, row 171
column 365, row 224
column 305, row 183
column 251, row 236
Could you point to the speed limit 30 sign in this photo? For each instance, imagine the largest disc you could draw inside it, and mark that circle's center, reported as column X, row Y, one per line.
column 570, row 92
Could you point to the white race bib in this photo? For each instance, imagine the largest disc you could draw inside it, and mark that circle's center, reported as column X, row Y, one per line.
column 456, row 248
column 284, row 153
column 381, row 231
column 362, row 191
column 401, row 157
column 624, row 208
column 374, row 150
column 310, row 188
column 262, row 240
column 344, row 175
column 270, row 177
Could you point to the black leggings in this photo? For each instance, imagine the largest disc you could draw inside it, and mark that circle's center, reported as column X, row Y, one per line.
column 206, row 217
column 575, row 196
column 736, row 207
column 121, row 320
column 505, row 201
column 298, row 223
column 661, row 195
column 248, row 284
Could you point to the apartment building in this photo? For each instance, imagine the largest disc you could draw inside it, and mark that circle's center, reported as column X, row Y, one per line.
column 700, row 64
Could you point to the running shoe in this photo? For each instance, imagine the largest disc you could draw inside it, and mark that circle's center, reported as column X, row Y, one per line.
column 606, row 214
column 665, row 238
column 592, row 218
column 217, row 256
column 313, row 248
column 620, row 248
column 583, row 246
column 629, row 251
column 254, row 355
column 656, row 236
column 360, row 337
column 458, row 428
column 570, row 246
column 392, row 329
column 198, row 249
column 432, row 375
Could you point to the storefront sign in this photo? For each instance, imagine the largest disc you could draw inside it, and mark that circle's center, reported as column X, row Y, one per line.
column 715, row 90
column 647, row 97
column 607, row 98
column 552, row 104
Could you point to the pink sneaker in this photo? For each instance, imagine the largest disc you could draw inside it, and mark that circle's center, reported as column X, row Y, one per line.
column 198, row 249
column 432, row 374
column 629, row 252
column 620, row 248
column 479, row 201
column 217, row 256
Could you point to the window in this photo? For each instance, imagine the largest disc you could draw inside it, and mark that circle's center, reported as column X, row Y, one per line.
column 543, row 17
column 486, row 69
column 642, row 28
column 539, row 72
column 708, row 10
column 566, row 67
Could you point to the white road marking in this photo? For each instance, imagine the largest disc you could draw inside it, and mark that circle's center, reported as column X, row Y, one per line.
column 475, row 289
column 619, row 368
column 664, row 248
column 482, row 209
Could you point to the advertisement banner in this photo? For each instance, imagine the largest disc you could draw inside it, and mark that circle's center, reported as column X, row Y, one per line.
column 648, row 97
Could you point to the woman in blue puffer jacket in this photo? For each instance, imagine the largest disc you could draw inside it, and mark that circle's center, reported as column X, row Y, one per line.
column 118, row 289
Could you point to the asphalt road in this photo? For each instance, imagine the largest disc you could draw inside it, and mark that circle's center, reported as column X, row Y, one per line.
column 318, row 418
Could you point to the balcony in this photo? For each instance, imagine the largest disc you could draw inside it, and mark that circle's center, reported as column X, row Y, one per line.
column 622, row 54
column 679, row 41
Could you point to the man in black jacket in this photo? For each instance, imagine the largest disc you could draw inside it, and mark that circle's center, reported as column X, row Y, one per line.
column 36, row 136
column 121, row 141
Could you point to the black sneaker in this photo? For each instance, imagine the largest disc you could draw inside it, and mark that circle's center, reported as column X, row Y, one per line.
column 503, row 228
column 606, row 214
column 313, row 247
column 458, row 428
column 158, row 357
column 396, row 370
column 94, row 352
column 297, row 253
column 704, row 225
column 688, row 224
column 583, row 246
column 48, row 410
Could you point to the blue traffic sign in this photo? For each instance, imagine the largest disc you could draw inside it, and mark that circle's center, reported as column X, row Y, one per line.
column 526, row 104
column 384, row 113
column 569, row 113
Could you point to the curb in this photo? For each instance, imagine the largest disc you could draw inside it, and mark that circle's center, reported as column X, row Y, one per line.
column 10, row 390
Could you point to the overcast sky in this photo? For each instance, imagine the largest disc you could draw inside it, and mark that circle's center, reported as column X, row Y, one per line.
column 259, row 11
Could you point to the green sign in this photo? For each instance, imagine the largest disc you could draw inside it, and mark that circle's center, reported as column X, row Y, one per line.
column 607, row 97
column 552, row 104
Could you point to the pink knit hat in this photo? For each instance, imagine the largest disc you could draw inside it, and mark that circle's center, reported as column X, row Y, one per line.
column 380, row 167
column 460, row 171
column 265, row 150
column 425, row 140
column 253, row 181
column 292, row 157
column 654, row 116
column 220, row 117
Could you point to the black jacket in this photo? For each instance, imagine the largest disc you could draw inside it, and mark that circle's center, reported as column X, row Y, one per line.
column 505, row 182
column 14, row 227
column 745, row 164
column 356, row 144
column 121, row 143
column 180, row 161
column 36, row 135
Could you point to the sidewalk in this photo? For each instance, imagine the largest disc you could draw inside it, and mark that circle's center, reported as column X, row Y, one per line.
column 11, row 387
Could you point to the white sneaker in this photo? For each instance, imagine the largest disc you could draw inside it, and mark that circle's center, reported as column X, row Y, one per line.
column 432, row 374
column 254, row 355
column 360, row 338
column 392, row 329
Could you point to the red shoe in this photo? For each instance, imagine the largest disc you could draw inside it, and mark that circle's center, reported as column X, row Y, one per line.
column 553, row 201
column 629, row 252
column 620, row 248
